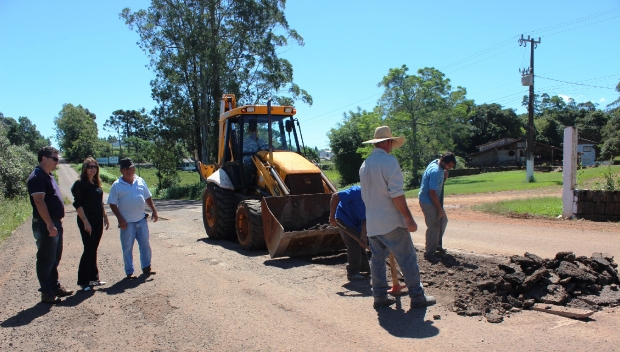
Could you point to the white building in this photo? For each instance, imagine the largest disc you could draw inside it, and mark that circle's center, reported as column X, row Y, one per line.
column 326, row 154
column 187, row 165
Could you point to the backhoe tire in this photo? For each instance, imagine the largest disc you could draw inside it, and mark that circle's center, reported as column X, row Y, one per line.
column 249, row 225
column 218, row 213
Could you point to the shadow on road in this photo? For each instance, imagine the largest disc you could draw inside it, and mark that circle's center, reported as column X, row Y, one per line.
column 409, row 324
column 359, row 288
column 125, row 284
column 233, row 246
column 336, row 258
column 166, row 205
column 25, row 317
column 77, row 298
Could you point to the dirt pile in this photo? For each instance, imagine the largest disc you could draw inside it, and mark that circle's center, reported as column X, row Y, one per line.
column 566, row 280
column 319, row 223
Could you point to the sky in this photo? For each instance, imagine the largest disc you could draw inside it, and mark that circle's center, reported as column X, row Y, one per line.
column 81, row 52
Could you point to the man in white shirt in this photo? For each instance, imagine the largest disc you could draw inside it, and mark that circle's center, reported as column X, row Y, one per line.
column 389, row 221
column 128, row 197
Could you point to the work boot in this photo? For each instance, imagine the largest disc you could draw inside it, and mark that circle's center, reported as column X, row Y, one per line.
column 47, row 298
column 131, row 277
column 432, row 258
column 441, row 252
column 147, row 271
column 356, row 277
column 422, row 301
column 383, row 302
column 60, row 291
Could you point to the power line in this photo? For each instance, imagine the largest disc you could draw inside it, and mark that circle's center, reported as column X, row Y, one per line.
column 577, row 20
column 575, row 83
column 585, row 25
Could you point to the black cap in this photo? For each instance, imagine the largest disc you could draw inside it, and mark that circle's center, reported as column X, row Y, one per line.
column 126, row 163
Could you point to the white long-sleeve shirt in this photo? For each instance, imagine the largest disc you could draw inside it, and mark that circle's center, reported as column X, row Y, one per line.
column 381, row 180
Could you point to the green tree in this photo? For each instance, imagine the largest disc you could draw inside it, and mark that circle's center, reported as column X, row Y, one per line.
column 15, row 165
column 611, row 132
column 76, row 132
column 201, row 49
column 425, row 110
column 130, row 123
column 25, row 133
column 165, row 156
column 489, row 122
column 346, row 140
column 311, row 154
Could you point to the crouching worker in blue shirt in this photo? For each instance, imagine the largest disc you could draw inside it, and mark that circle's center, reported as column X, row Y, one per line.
column 347, row 208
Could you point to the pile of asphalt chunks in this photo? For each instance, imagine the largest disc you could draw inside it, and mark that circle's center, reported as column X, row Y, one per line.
column 566, row 279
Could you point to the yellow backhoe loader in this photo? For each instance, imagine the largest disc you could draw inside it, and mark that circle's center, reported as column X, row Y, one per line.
column 262, row 189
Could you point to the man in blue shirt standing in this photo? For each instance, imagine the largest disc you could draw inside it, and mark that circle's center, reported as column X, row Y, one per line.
column 48, row 210
column 347, row 207
column 431, row 202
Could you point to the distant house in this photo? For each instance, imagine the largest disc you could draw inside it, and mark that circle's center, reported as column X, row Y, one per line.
column 326, row 154
column 118, row 144
column 586, row 152
column 186, row 165
column 511, row 152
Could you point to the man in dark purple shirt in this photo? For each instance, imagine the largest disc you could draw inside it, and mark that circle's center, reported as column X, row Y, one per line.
column 47, row 213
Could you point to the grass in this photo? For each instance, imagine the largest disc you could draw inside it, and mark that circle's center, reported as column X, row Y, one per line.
column 333, row 176
column 13, row 212
column 549, row 207
column 515, row 180
column 109, row 174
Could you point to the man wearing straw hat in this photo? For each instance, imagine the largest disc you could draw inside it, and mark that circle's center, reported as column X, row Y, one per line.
column 389, row 221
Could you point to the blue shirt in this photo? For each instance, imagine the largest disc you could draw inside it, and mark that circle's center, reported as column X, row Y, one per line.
column 130, row 198
column 40, row 181
column 351, row 209
column 431, row 180
column 381, row 180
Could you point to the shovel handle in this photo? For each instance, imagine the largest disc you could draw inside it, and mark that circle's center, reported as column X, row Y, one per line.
column 344, row 228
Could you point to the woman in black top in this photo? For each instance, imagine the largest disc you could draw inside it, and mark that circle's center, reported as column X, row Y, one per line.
column 88, row 202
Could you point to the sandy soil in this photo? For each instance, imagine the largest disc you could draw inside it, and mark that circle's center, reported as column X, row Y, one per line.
column 212, row 295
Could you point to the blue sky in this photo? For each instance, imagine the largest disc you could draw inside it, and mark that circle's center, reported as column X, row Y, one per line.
column 80, row 52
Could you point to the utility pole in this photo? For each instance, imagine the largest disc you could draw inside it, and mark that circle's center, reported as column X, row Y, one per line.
column 527, row 79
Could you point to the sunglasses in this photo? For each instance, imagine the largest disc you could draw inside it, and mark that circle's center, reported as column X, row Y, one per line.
column 92, row 167
column 53, row 158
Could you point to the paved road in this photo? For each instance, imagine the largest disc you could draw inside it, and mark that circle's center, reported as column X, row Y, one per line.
column 212, row 295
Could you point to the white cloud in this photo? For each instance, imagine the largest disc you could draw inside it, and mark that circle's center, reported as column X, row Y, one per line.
column 602, row 100
column 566, row 98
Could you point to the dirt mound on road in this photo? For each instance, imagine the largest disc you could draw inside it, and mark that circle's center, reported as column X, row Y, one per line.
column 497, row 286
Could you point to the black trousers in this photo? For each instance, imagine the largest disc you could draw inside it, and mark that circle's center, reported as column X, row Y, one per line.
column 357, row 259
column 49, row 253
column 88, row 270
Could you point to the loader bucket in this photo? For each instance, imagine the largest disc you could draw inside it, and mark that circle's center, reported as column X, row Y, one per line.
column 299, row 225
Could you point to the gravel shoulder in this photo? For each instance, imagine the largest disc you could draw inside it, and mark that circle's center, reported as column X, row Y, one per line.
column 212, row 295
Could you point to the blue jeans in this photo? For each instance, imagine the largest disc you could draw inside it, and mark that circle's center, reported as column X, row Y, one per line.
column 400, row 244
column 136, row 231
column 49, row 252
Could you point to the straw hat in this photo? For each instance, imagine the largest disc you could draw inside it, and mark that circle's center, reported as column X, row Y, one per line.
column 383, row 133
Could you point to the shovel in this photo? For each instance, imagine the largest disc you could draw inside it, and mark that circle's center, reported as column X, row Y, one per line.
column 396, row 289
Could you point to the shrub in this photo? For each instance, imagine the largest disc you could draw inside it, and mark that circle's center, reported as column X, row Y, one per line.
column 107, row 177
column 193, row 192
column 15, row 166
